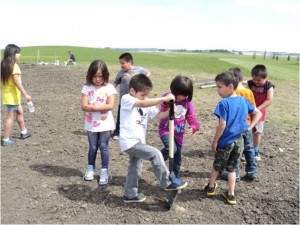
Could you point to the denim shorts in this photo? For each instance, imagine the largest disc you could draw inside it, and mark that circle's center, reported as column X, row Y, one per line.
column 13, row 107
column 228, row 157
column 259, row 127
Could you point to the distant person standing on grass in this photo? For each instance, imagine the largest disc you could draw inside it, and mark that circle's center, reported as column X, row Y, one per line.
column 97, row 101
column 72, row 59
column 263, row 91
column 123, row 77
column 12, row 88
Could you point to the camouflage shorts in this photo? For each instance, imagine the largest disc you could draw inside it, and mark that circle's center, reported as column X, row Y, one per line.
column 228, row 156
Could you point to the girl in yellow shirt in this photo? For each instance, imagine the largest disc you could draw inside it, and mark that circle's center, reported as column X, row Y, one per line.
column 12, row 88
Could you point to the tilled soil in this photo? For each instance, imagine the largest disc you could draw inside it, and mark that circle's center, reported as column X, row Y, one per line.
column 42, row 176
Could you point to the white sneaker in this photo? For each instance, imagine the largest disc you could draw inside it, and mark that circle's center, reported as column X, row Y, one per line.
column 90, row 173
column 116, row 137
column 257, row 157
column 104, row 176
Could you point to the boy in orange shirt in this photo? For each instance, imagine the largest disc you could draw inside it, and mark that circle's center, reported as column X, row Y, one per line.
column 251, row 165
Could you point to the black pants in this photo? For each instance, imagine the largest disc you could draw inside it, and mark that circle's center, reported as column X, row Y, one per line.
column 117, row 130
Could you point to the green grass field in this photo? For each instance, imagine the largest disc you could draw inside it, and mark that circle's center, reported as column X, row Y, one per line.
column 198, row 66
column 186, row 63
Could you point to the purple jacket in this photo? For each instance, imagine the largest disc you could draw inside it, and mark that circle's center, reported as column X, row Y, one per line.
column 184, row 112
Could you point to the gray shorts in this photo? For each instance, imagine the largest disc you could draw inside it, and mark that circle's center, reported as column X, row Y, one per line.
column 259, row 127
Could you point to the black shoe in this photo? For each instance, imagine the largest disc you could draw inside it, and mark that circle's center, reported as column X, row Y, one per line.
column 176, row 186
column 230, row 198
column 139, row 198
column 211, row 191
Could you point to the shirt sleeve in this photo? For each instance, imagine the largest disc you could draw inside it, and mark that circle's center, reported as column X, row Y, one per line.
column 127, row 102
column 111, row 90
column 191, row 117
column 118, row 78
column 16, row 69
column 221, row 110
column 84, row 90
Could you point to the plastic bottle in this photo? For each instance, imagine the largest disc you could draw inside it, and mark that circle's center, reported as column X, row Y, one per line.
column 30, row 106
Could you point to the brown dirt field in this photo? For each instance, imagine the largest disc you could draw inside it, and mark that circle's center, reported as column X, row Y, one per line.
column 42, row 176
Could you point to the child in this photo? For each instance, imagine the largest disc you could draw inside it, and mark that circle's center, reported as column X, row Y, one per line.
column 123, row 78
column 136, row 110
column 232, row 111
column 251, row 166
column 12, row 88
column 263, row 94
column 182, row 88
column 97, row 100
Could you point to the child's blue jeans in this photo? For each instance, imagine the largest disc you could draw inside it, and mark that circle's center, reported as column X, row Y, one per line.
column 98, row 140
column 251, row 165
column 177, row 153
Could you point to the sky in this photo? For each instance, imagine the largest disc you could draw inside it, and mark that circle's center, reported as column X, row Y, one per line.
column 244, row 25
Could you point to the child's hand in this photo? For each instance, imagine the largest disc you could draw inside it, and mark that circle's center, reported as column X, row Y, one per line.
column 28, row 98
column 168, row 97
column 128, row 75
column 214, row 146
column 189, row 131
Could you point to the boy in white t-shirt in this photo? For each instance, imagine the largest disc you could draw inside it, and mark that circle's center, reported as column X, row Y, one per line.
column 135, row 111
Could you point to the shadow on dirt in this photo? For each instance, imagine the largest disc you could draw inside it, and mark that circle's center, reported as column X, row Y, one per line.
column 56, row 171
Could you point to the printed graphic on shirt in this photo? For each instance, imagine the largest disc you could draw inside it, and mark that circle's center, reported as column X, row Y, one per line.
column 142, row 120
column 96, row 97
column 180, row 112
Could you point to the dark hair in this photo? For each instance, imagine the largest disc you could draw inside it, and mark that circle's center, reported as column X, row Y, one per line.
column 238, row 73
column 140, row 82
column 92, row 70
column 127, row 57
column 182, row 85
column 227, row 78
column 8, row 61
column 260, row 71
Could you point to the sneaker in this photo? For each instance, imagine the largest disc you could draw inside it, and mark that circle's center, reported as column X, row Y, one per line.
column 90, row 173
column 8, row 142
column 139, row 198
column 104, row 176
column 27, row 134
column 250, row 177
column 115, row 137
column 230, row 198
column 257, row 157
column 176, row 186
column 224, row 176
column 211, row 191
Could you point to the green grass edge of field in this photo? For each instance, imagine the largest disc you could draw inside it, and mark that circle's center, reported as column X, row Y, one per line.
column 198, row 66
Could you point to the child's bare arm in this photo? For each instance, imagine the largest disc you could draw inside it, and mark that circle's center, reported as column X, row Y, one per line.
column 218, row 134
column 162, row 115
column 256, row 114
column 97, row 108
column 268, row 100
column 19, row 85
column 153, row 101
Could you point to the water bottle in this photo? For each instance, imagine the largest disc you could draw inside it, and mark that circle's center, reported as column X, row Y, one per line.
column 30, row 106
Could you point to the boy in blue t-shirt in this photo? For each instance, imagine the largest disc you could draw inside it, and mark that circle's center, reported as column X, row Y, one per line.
column 232, row 111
